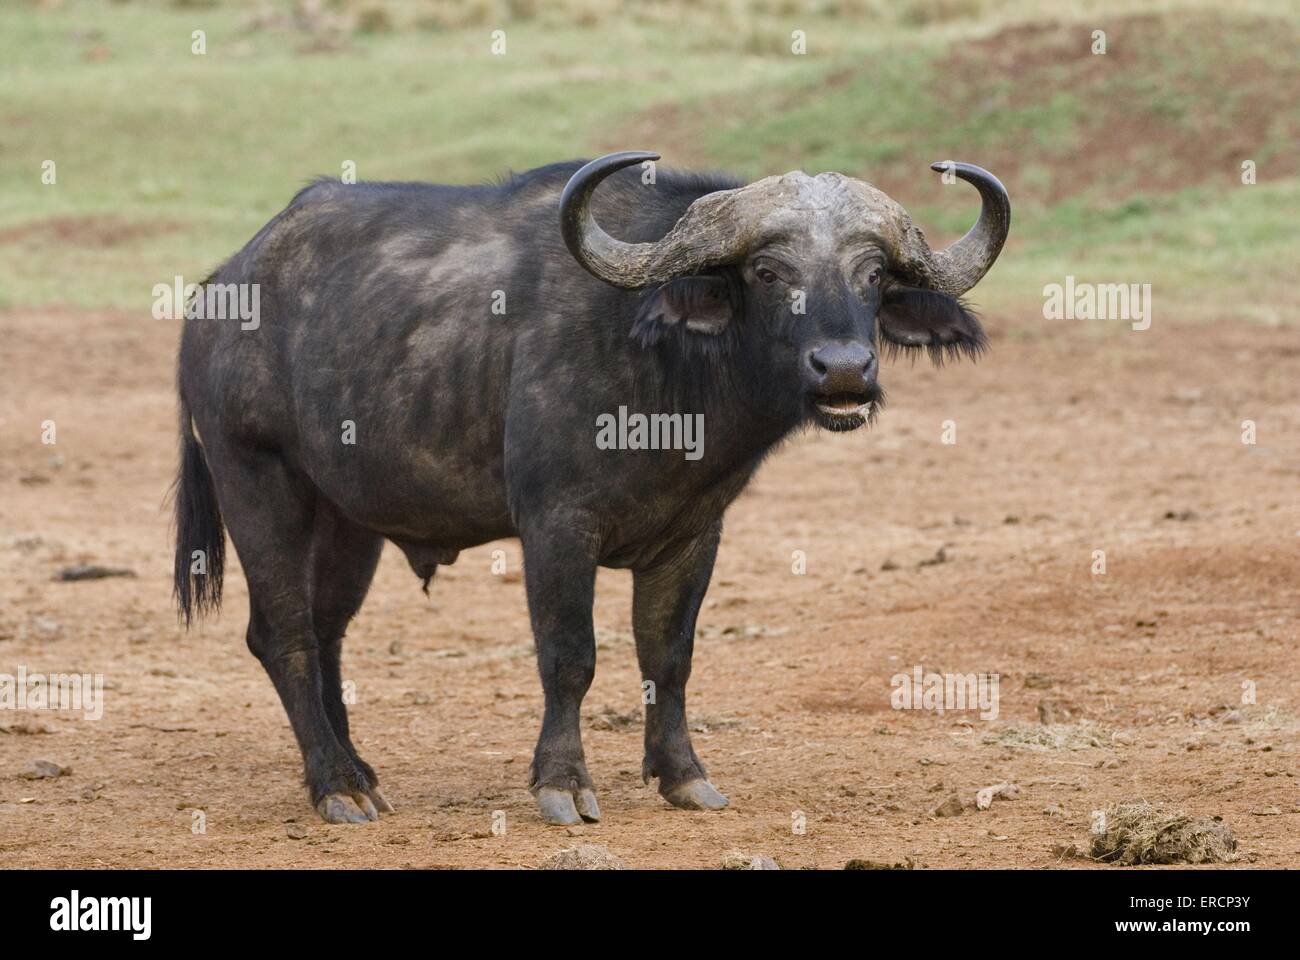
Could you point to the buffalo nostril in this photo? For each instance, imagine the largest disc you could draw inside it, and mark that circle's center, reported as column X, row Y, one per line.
column 842, row 367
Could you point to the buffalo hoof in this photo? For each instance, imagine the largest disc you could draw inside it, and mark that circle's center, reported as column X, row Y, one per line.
column 588, row 808
column 566, row 808
column 696, row 795
column 341, row 808
column 380, row 801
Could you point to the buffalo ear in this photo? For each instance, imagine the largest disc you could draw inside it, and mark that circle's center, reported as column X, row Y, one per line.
column 912, row 319
column 703, row 304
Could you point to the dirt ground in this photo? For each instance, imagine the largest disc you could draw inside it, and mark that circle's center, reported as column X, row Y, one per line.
column 1070, row 438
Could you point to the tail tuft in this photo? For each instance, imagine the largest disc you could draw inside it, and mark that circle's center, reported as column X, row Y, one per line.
column 200, row 534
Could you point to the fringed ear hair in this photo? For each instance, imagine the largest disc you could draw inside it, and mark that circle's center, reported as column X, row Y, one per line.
column 912, row 319
column 703, row 304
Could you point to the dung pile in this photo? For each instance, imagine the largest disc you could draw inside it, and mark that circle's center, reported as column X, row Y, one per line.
column 1137, row 832
column 583, row 856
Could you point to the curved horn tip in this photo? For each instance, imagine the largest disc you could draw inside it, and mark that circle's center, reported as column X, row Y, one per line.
column 595, row 250
column 591, row 173
column 968, row 172
column 962, row 265
column 623, row 158
column 957, row 167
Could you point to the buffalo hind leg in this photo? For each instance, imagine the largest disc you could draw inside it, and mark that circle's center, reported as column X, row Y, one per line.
column 560, row 577
column 344, row 557
column 665, row 601
column 270, row 512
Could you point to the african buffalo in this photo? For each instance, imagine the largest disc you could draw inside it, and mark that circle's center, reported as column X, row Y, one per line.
column 431, row 366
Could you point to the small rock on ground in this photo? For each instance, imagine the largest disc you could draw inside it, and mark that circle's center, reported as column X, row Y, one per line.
column 860, row 864
column 45, row 770
column 92, row 571
column 949, row 808
column 999, row 791
column 738, row 860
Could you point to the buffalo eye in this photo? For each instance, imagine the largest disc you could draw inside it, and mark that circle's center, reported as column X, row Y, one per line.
column 766, row 275
column 873, row 277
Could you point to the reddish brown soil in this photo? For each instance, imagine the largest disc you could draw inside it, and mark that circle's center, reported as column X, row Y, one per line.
column 1065, row 445
column 89, row 231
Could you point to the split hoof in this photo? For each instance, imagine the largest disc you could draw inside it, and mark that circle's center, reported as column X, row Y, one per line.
column 588, row 808
column 696, row 795
column 566, row 808
column 341, row 808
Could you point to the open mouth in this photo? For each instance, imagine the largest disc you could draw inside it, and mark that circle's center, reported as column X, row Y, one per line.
column 844, row 411
column 843, row 405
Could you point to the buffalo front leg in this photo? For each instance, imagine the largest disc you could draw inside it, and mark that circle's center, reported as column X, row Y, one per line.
column 665, row 601
column 560, row 576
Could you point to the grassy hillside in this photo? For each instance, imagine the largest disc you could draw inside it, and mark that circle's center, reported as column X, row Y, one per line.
column 1123, row 167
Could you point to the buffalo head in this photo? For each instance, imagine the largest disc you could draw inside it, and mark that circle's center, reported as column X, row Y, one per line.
column 819, row 265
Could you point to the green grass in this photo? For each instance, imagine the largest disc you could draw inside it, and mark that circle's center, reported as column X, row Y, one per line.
column 176, row 159
column 1208, row 254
